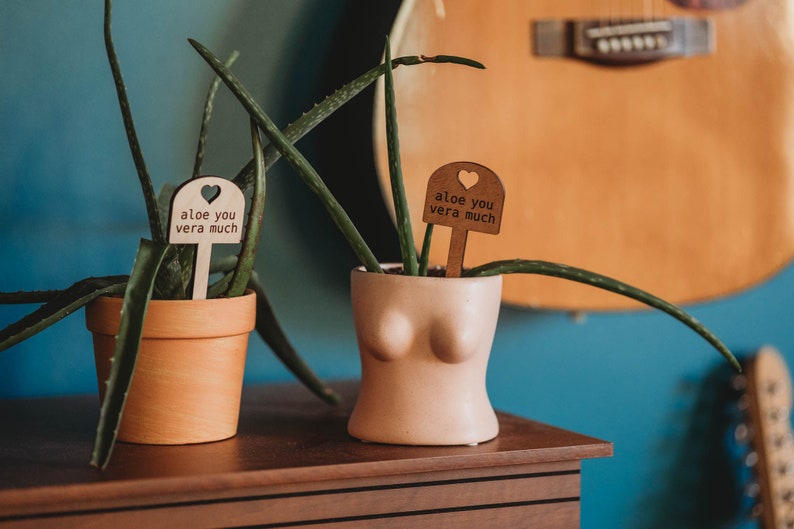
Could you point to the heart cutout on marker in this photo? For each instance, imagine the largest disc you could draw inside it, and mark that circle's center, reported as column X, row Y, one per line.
column 210, row 193
column 468, row 179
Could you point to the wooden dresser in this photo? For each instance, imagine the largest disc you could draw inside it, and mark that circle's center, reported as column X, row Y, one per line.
column 292, row 464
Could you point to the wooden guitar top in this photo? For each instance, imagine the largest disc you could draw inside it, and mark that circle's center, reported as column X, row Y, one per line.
column 672, row 175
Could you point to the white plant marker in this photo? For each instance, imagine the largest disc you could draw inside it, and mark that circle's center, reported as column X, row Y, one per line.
column 465, row 196
column 204, row 211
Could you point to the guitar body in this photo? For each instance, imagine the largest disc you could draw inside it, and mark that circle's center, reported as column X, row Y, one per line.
column 674, row 175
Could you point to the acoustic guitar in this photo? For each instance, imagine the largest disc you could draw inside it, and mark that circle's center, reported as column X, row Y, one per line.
column 649, row 140
column 761, row 439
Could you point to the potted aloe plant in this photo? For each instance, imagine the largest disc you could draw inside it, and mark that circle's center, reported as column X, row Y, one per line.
column 134, row 317
column 424, row 341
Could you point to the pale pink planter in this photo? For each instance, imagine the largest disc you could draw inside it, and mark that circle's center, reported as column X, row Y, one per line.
column 424, row 344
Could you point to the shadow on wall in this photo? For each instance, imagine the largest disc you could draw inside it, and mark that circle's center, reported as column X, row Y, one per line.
column 699, row 467
column 359, row 39
column 322, row 46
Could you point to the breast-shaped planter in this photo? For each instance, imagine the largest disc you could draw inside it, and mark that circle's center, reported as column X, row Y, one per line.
column 189, row 372
column 424, row 344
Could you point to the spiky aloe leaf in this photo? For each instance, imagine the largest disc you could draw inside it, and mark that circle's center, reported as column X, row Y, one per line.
column 132, row 137
column 245, row 263
column 59, row 305
column 310, row 119
column 209, row 103
column 295, row 158
column 269, row 329
column 178, row 280
column 523, row 266
column 273, row 335
column 27, row 296
column 401, row 213
column 223, row 264
column 133, row 312
column 424, row 257
column 164, row 201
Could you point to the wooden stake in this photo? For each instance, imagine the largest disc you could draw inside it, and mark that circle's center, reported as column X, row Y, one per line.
column 466, row 197
column 204, row 211
column 457, row 247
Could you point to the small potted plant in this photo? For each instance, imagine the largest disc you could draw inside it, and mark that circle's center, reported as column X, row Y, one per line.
column 137, row 319
column 424, row 341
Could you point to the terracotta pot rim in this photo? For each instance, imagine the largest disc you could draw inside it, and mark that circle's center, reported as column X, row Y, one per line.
column 248, row 292
column 192, row 318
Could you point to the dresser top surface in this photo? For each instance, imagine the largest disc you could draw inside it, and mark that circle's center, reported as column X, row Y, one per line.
column 285, row 436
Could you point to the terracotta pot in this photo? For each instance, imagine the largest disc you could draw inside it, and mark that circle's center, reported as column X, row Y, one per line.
column 189, row 373
column 424, row 344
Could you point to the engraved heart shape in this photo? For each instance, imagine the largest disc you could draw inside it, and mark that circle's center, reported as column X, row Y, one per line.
column 210, row 193
column 468, row 179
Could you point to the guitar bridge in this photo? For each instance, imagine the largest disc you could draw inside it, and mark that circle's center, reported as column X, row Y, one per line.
column 623, row 42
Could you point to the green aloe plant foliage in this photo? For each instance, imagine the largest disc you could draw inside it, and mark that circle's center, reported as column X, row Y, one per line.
column 310, row 176
column 164, row 271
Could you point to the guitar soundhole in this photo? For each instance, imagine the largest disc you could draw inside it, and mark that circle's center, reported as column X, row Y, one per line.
column 709, row 4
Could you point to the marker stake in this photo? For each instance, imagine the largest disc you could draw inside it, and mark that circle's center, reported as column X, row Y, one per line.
column 204, row 211
column 466, row 197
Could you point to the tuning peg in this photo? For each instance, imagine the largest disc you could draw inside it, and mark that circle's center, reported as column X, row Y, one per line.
column 743, row 434
column 782, row 440
column 773, row 387
column 786, row 468
column 739, row 382
column 778, row 414
column 752, row 489
column 751, row 459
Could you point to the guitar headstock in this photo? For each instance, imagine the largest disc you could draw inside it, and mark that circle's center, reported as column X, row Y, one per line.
column 763, row 437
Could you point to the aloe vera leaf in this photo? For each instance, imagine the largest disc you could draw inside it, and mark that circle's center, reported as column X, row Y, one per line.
column 169, row 283
column 133, row 312
column 164, row 197
column 149, row 196
column 594, row 279
column 58, row 305
column 185, row 255
column 305, row 171
column 223, row 264
column 209, row 103
column 245, row 263
column 273, row 335
column 424, row 257
column 219, row 287
column 27, row 296
column 310, row 119
column 187, row 258
column 401, row 213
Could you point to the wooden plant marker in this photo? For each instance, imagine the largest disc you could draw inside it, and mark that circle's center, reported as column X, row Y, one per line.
column 204, row 211
column 465, row 196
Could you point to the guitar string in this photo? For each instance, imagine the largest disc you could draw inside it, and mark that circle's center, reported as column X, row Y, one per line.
column 613, row 11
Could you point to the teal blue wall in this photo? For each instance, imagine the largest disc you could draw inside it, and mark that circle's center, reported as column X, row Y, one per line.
column 70, row 207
